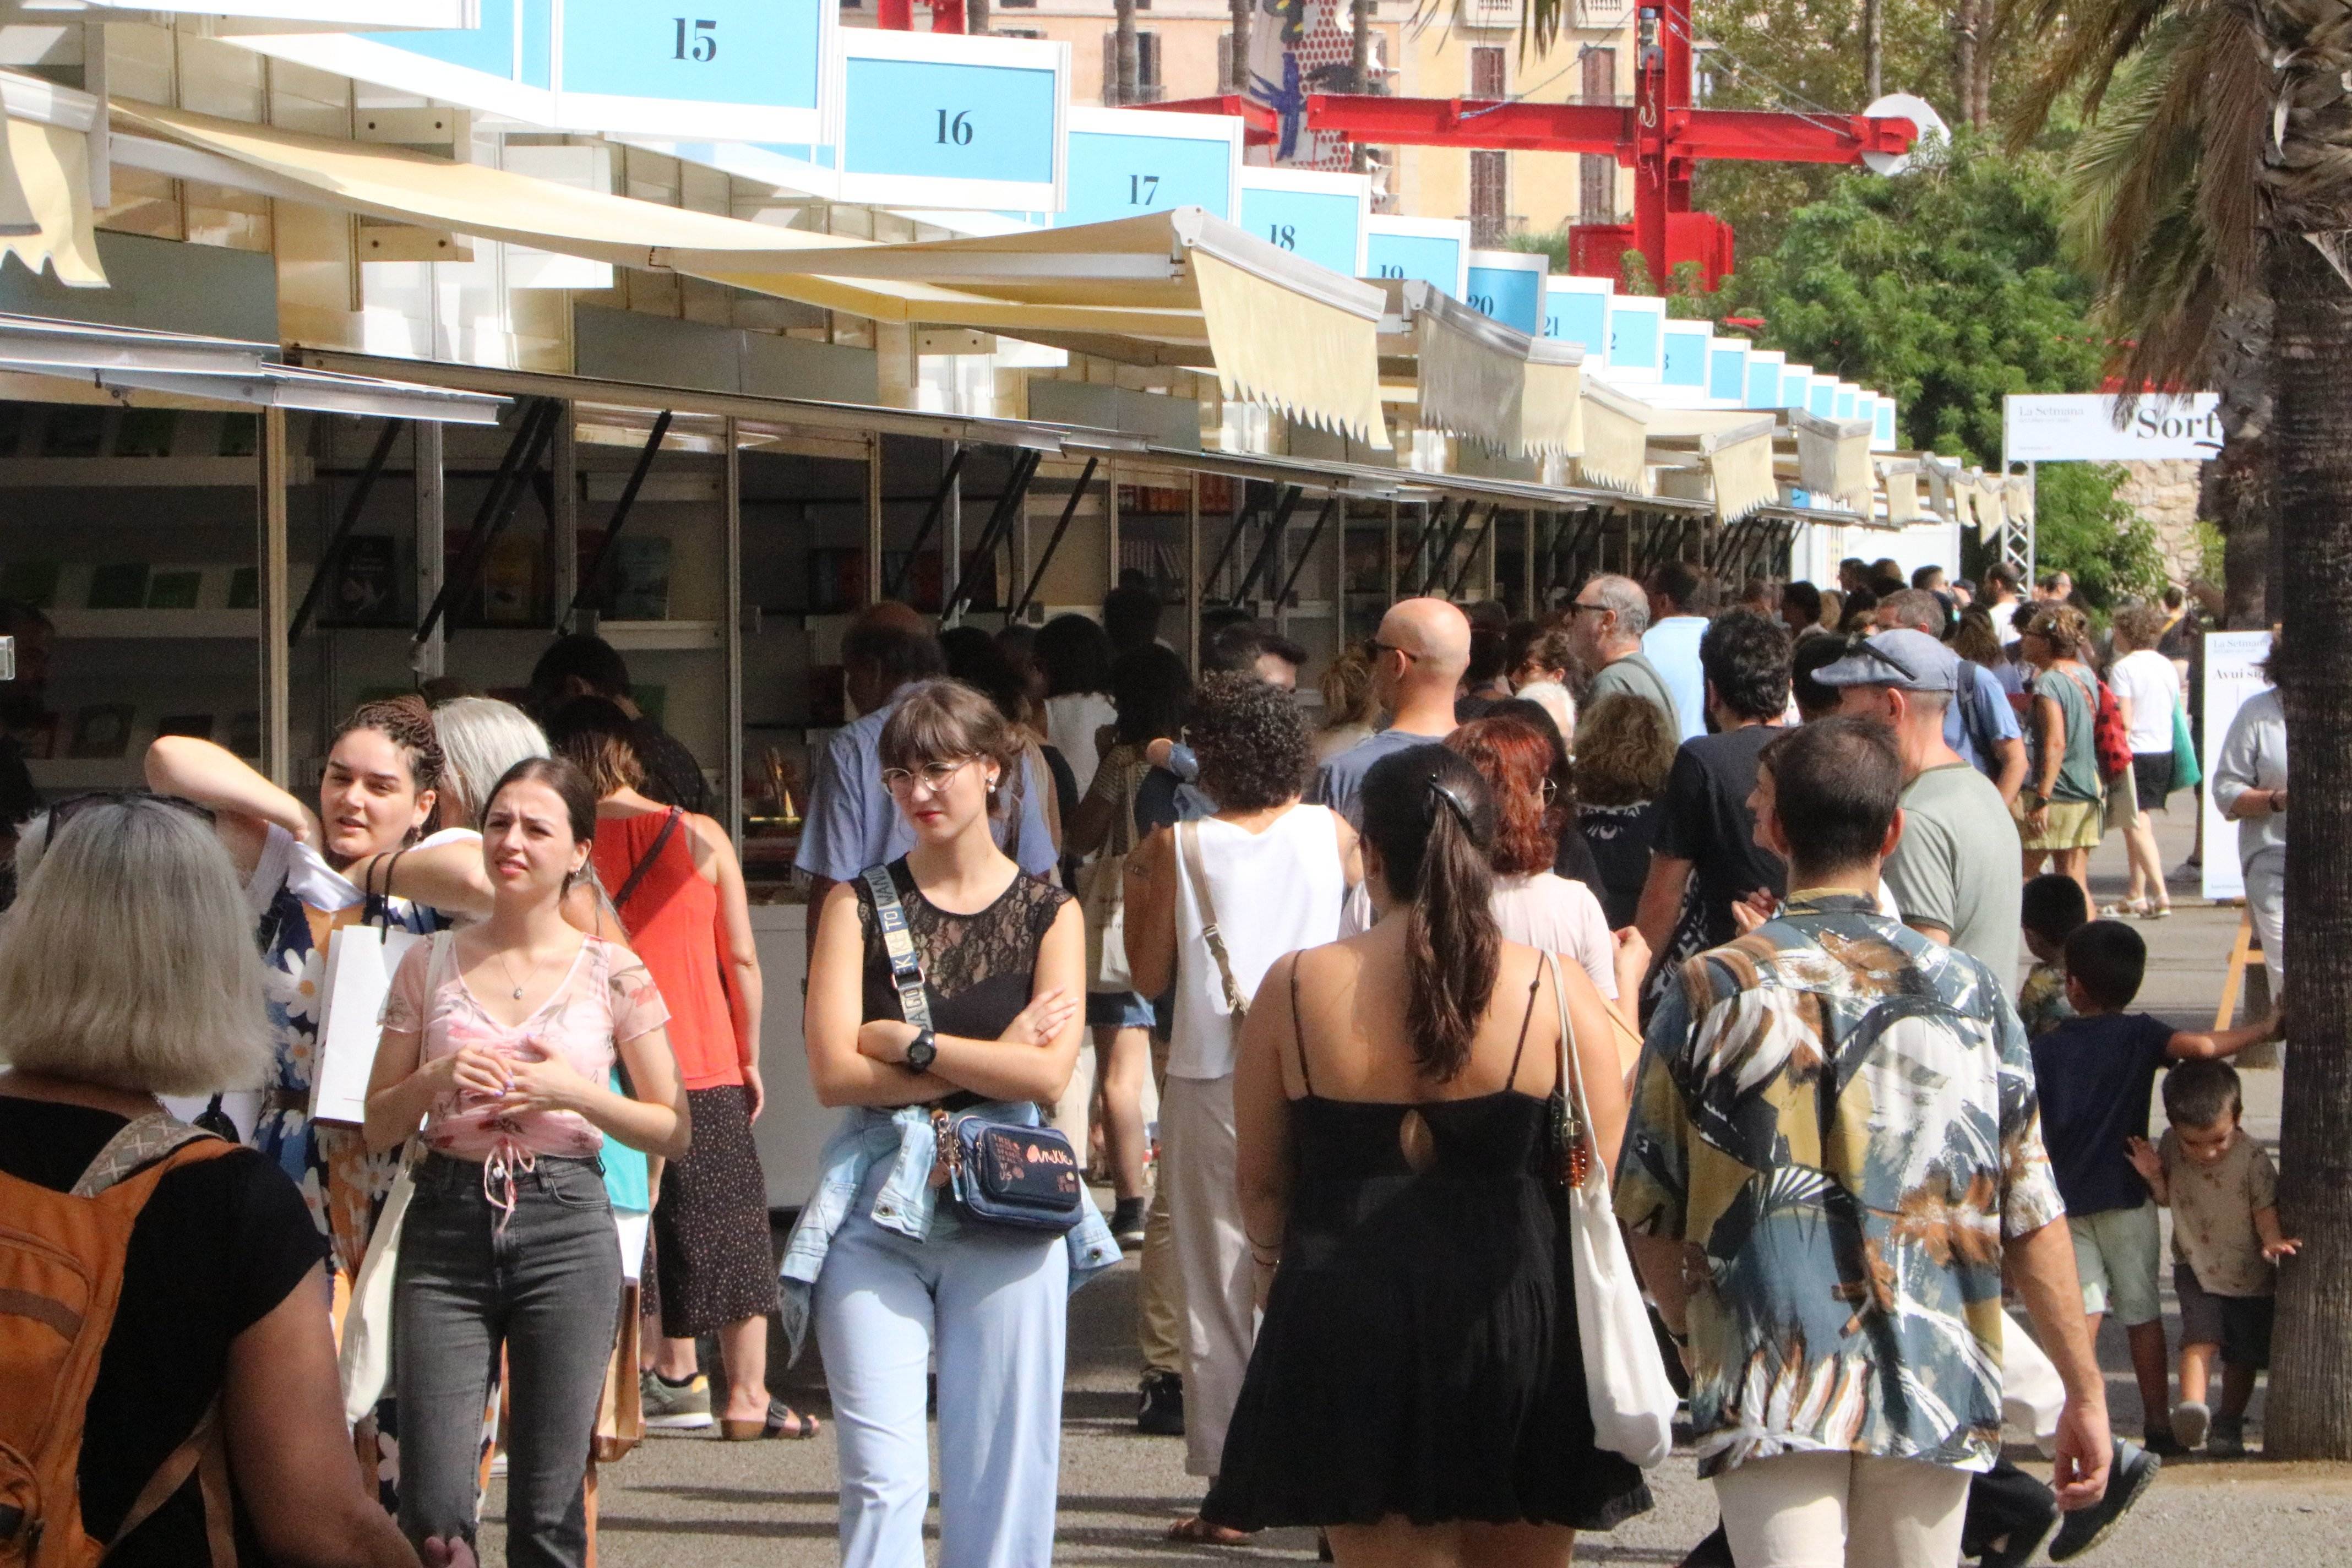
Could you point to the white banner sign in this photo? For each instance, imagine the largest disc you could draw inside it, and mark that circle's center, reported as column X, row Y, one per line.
column 2069, row 428
column 2233, row 672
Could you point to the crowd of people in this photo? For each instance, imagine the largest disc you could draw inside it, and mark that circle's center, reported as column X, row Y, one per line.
column 1696, row 913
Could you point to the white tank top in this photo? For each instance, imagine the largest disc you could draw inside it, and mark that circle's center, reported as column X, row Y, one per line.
column 1274, row 891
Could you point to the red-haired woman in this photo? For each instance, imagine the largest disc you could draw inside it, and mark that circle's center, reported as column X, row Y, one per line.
column 1534, row 905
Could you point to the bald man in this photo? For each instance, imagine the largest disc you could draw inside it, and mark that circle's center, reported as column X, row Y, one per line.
column 1418, row 658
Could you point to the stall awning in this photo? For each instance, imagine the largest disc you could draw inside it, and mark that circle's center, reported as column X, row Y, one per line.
column 1616, row 440
column 52, row 225
column 1733, row 453
column 1171, row 288
column 1477, row 378
column 223, row 370
column 1834, row 457
column 1278, row 330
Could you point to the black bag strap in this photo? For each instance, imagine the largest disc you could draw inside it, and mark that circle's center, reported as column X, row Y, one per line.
column 646, row 862
column 899, row 944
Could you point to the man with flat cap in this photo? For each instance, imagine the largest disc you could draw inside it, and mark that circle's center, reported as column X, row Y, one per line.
column 1951, row 876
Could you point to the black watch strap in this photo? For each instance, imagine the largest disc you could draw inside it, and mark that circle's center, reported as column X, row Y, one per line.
column 922, row 1051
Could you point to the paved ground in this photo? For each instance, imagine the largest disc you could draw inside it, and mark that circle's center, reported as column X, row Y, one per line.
column 684, row 1501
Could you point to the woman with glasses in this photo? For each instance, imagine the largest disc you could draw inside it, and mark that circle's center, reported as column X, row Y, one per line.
column 895, row 1272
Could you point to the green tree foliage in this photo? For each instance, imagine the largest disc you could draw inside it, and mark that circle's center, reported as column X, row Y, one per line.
column 1949, row 288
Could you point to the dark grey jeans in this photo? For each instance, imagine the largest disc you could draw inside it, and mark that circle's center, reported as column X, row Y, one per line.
column 547, row 1291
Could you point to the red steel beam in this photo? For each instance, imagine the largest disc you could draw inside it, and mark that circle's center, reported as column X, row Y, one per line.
column 1516, row 126
column 1257, row 116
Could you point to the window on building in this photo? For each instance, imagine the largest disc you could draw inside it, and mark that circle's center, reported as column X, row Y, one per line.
column 1147, row 85
column 1597, row 82
column 1487, row 72
column 1490, row 198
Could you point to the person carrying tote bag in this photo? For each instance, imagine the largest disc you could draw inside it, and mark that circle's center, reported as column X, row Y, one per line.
column 1419, row 1387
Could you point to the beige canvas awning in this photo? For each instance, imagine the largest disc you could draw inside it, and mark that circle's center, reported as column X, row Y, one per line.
column 1733, row 453
column 53, row 225
column 1199, row 291
column 1616, row 447
column 1551, row 410
column 1834, row 457
column 1470, row 369
column 1900, row 479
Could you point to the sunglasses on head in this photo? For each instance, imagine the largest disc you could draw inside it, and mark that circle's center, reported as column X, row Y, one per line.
column 1859, row 643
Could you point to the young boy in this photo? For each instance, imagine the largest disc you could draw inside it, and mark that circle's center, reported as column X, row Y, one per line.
column 2051, row 909
column 2095, row 1073
column 2226, row 1244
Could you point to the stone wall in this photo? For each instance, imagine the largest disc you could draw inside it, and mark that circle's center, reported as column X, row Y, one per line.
column 2166, row 494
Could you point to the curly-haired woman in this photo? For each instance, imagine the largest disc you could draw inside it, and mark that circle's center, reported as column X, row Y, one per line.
column 1625, row 750
column 1269, row 875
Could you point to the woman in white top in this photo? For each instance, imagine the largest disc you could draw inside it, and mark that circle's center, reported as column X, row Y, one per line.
column 1534, row 905
column 2147, row 691
column 1274, row 874
column 1075, row 653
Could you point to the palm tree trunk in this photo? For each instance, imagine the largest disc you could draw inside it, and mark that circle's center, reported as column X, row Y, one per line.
column 1122, row 89
column 2309, row 200
column 1967, row 24
column 1873, row 48
column 1241, row 25
column 975, row 16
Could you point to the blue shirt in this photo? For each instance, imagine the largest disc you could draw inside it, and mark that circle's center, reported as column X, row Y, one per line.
column 851, row 822
column 1340, row 780
column 1981, row 710
column 1672, row 649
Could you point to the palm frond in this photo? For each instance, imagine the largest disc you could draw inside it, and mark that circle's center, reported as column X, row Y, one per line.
column 2093, row 39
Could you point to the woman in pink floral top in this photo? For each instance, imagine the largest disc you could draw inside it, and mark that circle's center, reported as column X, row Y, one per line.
column 498, row 1040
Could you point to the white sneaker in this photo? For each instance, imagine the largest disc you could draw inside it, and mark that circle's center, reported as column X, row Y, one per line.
column 2191, row 1421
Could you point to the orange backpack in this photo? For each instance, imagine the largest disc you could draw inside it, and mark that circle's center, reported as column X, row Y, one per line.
column 61, row 1262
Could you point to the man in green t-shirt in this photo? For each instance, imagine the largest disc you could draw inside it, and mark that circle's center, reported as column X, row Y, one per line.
column 1951, row 876
column 1604, row 629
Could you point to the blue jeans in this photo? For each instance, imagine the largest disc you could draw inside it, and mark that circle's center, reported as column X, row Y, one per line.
column 547, row 1291
column 995, row 1304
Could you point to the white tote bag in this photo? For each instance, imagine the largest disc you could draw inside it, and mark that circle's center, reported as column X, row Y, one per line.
column 364, row 1358
column 1633, row 1403
column 361, row 961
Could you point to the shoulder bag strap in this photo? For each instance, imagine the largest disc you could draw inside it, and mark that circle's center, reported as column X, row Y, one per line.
column 646, row 863
column 1188, row 849
column 1577, row 1159
column 905, row 968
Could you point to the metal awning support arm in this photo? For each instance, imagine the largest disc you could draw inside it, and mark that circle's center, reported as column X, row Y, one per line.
column 1270, row 544
column 532, row 432
column 1445, row 552
column 1306, row 552
column 931, row 515
column 594, row 578
column 1470, row 558
column 1008, row 502
column 1431, row 520
column 1232, row 536
column 1054, row 540
column 330, row 558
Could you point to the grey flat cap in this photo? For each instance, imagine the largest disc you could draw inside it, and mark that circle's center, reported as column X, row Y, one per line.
column 1905, row 660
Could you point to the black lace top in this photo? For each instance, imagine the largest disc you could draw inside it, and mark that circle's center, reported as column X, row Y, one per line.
column 977, row 968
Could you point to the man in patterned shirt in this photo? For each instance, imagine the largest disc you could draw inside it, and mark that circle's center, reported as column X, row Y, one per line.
column 1833, row 1147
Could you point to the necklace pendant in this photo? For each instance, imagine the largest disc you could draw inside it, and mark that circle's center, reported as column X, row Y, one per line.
column 518, row 992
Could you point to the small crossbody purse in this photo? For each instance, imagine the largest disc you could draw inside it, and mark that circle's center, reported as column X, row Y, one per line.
column 1000, row 1172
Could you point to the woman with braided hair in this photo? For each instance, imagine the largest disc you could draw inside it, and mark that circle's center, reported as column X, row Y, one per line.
column 1417, row 1388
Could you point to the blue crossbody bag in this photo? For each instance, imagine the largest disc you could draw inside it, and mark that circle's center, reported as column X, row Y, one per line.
column 999, row 1172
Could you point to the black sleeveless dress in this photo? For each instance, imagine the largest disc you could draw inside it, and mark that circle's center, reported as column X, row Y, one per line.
column 1419, row 1353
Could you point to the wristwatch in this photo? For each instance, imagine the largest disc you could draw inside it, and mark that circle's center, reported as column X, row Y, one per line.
column 922, row 1051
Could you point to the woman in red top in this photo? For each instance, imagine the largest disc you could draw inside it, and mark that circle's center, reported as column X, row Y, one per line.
column 679, row 890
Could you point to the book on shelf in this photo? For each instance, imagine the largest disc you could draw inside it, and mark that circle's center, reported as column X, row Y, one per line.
column 175, row 587
column 145, row 433
column 245, row 588
column 367, row 581
column 33, row 582
column 510, row 580
column 640, row 577
column 199, row 725
column 117, row 585
column 837, row 579
column 103, row 730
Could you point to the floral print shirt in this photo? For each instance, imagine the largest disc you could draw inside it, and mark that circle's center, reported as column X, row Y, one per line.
column 1839, row 1115
column 2042, row 1003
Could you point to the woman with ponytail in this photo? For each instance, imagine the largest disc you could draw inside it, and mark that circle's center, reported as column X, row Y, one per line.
column 1417, row 1388
column 1210, row 905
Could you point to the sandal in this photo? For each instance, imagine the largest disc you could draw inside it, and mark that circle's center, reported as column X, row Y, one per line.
column 782, row 1421
column 2156, row 912
column 1195, row 1531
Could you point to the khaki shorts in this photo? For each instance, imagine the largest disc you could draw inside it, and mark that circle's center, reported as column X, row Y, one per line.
column 2073, row 825
column 2123, row 801
column 2116, row 1257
